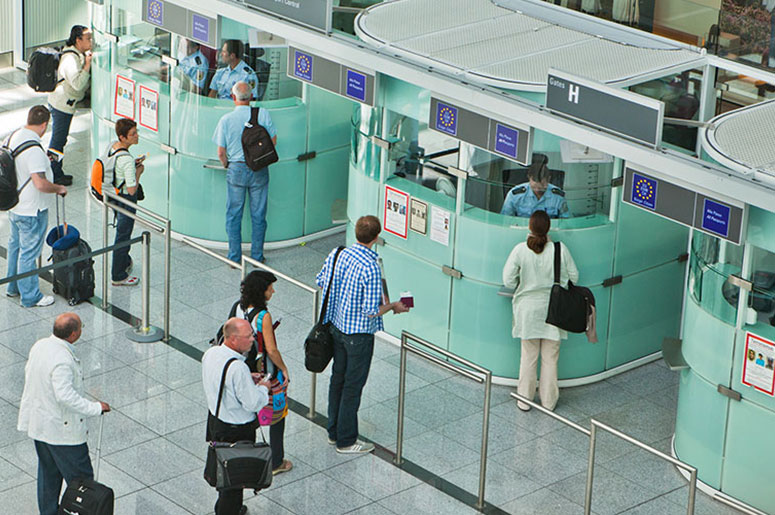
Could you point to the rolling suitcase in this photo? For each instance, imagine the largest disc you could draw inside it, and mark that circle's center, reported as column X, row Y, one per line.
column 75, row 282
column 87, row 496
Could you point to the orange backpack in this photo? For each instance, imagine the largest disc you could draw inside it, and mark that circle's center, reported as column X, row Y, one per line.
column 103, row 171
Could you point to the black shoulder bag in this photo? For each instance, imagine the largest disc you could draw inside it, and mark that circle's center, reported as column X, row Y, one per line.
column 319, row 345
column 567, row 307
column 257, row 144
column 234, row 466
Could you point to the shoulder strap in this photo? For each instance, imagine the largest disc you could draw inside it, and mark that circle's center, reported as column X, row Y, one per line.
column 254, row 116
column 220, row 389
column 233, row 310
column 557, row 252
column 260, row 314
column 24, row 146
column 330, row 280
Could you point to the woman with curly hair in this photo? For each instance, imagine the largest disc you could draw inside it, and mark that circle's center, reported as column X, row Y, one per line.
column 255, row 292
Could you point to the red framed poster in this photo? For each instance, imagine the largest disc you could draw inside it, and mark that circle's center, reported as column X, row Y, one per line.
column 396, row 214
column 759, row 364
column 149, row 108
column 124, row 97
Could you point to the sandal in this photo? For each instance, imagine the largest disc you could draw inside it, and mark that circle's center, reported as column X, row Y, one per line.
column 129, row 281
column 285, row 466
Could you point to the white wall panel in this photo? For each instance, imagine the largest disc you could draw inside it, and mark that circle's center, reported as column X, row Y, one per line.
column 6, row 26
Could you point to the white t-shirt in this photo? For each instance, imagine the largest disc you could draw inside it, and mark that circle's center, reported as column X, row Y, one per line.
column 32, row 160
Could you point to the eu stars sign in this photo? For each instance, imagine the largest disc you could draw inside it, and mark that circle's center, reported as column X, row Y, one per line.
column 332, row 76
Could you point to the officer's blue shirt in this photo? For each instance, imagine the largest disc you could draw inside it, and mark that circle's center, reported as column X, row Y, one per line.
column 226, row 78
column 522, row 201
column 228, row 132
column 195, row 66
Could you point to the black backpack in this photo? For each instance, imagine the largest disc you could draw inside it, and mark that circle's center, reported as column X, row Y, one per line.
column 257, row 144
column 9, row 195
column 42, row 68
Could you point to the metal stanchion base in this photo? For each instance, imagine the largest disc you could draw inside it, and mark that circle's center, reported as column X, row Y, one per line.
column 152, row 334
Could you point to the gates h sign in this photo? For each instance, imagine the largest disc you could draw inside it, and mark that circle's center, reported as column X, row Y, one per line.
column 614, row 110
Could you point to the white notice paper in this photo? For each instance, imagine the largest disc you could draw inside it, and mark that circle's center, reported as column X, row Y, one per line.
column 396, row 217
column 124, row 98
column 149, row 108
column 440, row 225
column 759, row 364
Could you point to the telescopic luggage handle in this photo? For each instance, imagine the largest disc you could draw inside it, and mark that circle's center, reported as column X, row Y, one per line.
column 99, row 448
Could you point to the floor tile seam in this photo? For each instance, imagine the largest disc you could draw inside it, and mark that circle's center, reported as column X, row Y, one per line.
column 170, row 387
column 648, row 501
column 172, row 501
column 327, row 474
column 323, row 473
column 144, row 425
column 19, row 485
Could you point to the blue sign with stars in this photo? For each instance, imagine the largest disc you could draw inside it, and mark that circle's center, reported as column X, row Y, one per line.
column 302, row 65
column 446, row 118
column 715, row 217
column 156, row 12
column 644, row 191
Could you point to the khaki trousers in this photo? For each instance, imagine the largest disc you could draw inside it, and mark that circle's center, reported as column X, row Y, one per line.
column 547, row 387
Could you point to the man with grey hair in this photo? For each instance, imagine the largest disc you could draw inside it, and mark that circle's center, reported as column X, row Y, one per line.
column 53, row 411
column 240, row 179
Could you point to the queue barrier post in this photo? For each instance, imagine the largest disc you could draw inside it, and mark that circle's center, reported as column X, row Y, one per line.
column 413, row 344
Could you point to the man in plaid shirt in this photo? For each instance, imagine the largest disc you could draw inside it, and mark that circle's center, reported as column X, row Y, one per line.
column 355, row 309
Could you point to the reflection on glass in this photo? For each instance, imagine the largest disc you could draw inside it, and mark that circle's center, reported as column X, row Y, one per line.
column 422, row 155
column 571, row 183
column 762, row 300
column 712, row 262
column 141, row 45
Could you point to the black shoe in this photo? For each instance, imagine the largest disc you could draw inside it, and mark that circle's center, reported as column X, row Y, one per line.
column 65, row 180
column 243, row 510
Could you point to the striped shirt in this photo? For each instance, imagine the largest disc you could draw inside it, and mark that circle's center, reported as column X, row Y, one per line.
column 356, row 292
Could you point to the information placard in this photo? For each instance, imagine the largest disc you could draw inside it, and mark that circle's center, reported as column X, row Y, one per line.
column 644, row 191
column 149, row 108
column 440, row 220
column 506, row 140
column 356, row 85
column 759, row 364
column 182, row 21
column 302, row 65
column 396, row 215
column 331, row 75
column 418, row 219
column 715, row 217
column 124, row 97
column 446, row 118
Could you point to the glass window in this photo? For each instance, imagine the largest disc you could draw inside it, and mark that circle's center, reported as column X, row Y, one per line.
column 140, row 45
column 48, row 23
column 761, row 301
column 712, row 262
column 421, row 155
column 564, row 189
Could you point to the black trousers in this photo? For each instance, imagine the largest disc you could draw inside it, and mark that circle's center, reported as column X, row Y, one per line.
column 229, row 501
column 276, row 433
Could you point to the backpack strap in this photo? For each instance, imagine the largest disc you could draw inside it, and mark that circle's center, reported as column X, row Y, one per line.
column 254, row 116
column 17, row 152
column 557, row 256
column 114, row 154
column 223, row 382
column 330, row 280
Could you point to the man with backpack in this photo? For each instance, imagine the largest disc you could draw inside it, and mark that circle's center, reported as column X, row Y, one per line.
column 73, row 80
column 240, row 179
column 29, row 217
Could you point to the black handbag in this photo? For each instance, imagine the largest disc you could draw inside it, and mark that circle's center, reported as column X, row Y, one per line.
column 234, row 466
column 319, row 345
column 568, row 308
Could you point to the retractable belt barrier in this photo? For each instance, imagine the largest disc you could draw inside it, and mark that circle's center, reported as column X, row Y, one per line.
column 480, row 375
column 146, row 333
column 592, row 434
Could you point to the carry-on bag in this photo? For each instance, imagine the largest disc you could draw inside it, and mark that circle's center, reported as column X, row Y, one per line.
column 568, row 307
column 319, row 345
column 74, row 282
column 237, row 465
column 87, row 496
column 257, row 144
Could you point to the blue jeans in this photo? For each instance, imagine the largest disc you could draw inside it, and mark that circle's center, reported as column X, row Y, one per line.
column 352, row 360
column 57, row 462
column 241, row 180
column 124, row 227
column 60, row 129
column 24, row 248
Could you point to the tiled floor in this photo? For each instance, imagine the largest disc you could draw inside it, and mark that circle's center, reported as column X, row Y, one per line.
column 153, row 446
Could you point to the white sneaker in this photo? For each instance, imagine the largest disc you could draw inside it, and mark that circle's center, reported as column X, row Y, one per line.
column 358, row 447
column 331, row 442
column 45, row 301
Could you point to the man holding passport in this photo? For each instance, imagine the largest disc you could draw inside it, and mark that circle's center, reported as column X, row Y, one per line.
column 355, row 309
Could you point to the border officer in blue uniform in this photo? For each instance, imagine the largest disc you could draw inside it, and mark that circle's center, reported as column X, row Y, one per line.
column 536, row 194
column 195, row 65
column 235, row 71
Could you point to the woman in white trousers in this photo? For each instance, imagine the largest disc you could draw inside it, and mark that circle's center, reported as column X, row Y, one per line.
column 530, row 269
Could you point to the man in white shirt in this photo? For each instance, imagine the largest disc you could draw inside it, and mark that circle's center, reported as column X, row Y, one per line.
column 29, row 218
column 236, row 416
column 53, row 411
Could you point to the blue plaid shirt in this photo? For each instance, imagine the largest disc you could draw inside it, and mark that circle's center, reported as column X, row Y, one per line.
column 356, row 293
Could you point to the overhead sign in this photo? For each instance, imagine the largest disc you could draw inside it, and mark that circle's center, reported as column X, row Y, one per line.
column 315, row 14
column 505, row 139
column 621, row 112
column 183, row 22
column 332, row 76
column 721, row 218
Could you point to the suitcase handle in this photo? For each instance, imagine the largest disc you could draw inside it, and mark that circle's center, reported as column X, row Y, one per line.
column 99, row 448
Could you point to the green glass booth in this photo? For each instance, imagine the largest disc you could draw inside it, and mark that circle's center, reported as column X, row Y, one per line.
column 452, row 262
column 183, row 179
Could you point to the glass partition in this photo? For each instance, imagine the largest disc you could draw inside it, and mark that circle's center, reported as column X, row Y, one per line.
column 761, row 302
column 141, row 46
column 712, row 262
column 364, row 155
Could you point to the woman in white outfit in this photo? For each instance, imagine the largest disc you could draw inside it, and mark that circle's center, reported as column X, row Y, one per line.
column 530, row 269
